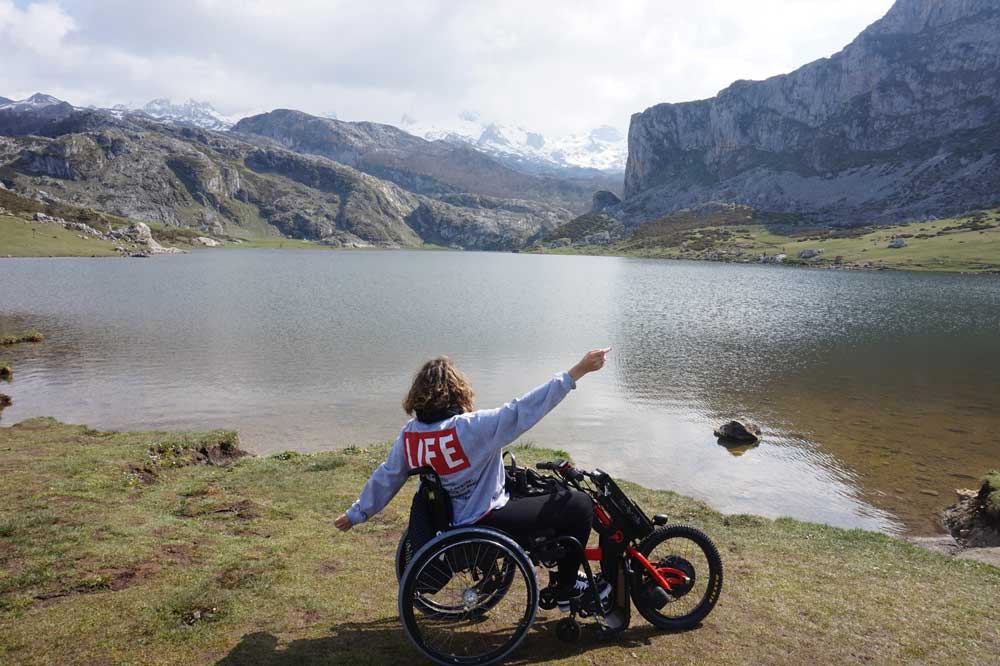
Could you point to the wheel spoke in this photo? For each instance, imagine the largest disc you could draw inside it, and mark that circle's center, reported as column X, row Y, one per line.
column 483, row 610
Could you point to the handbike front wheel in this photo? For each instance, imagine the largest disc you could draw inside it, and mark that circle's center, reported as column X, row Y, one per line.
column 449, row 572
column 677, row 548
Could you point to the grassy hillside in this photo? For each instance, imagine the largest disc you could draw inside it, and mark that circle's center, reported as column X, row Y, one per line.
column 22, row 238
column 114, row 549
column 970, row 243
column 737, row 233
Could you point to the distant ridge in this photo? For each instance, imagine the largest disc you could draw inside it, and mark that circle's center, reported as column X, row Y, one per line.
column 241, row 185
column 433, row 168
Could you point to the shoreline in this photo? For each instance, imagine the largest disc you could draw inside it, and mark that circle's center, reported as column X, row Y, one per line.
column 172, row 548
column 303, row 245
column 790, row 265
column 261, row 449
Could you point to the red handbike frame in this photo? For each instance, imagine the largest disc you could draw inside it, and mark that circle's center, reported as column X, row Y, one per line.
column 665, row 577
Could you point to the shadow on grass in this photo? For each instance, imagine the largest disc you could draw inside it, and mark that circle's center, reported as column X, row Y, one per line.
column 383, row 642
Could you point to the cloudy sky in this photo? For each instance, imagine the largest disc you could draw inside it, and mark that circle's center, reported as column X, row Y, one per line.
column 555, row 66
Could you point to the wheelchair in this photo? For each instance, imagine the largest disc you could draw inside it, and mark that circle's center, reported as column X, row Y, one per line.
column 470, row 594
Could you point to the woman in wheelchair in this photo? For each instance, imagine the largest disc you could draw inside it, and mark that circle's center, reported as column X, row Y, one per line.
column 464, row 448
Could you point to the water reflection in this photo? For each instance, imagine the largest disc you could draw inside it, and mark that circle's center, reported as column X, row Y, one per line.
column 875, row 390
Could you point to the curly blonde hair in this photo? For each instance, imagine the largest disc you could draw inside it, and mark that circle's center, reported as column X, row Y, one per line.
column 439, row 387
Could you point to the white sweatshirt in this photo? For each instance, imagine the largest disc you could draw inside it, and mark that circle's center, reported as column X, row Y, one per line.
column 466, row 452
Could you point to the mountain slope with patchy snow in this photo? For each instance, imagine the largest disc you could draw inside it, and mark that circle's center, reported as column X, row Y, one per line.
column 602, row 149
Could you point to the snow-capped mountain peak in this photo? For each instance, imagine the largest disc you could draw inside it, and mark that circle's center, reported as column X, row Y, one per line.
column 191, row 113
column 35, row 102
column 603, row 148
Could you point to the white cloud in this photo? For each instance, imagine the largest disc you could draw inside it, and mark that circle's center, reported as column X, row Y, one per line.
column 552, row 64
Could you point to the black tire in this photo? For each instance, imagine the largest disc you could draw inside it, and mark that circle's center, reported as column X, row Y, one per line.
column 469, row 633
column 700, row 598
column 404, row 553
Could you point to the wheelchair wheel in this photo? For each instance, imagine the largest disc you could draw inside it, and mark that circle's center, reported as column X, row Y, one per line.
column 688, row 550
column 468, row 597
column 492, row 588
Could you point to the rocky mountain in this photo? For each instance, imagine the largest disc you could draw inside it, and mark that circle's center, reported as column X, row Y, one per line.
column 37, row 114
column 191, row 113
column 240, row 185
column 902, row 123
column 601, row 151
column 433, row 168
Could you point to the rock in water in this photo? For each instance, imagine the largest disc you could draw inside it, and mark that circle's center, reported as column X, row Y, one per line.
column 737, row 431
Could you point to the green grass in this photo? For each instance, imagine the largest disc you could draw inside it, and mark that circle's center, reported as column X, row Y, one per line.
column 992, row 502
column 582, row 226
column 966, row 244
column 941, row 245
column 109, row 554
column 24, row 238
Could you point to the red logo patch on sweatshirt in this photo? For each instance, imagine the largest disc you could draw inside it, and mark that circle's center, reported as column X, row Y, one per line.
column 439, row 449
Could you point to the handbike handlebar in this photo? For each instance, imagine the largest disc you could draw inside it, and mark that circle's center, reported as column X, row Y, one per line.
column 564, row 468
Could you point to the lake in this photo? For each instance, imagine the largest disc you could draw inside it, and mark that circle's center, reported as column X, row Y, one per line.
column 879, row 393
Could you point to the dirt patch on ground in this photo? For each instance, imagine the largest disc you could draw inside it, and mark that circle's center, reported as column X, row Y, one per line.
column 328, row 568
column 220, row 450
column 141, row 474
column 178, row 554
column 112, row 579
column 119, row 579
column 241, row 575
column 200, row 614
column 242, row 510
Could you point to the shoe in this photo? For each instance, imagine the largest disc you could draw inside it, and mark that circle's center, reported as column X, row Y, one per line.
column 580, row 592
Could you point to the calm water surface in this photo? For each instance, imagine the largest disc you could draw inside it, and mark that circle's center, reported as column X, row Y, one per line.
column 879, row 393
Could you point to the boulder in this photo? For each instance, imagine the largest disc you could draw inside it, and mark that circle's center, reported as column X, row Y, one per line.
column 604, row 199
column 140, row 234
column 85, row 228
column 207, row 242
column 896, row 243
column 738, row 431
column 808, row 254
column 974, row 520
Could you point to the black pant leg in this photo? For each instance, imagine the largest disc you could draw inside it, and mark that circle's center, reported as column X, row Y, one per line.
column 565, row 513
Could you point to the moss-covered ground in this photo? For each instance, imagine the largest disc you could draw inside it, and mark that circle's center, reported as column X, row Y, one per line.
column 113, row 550
column 965, row 244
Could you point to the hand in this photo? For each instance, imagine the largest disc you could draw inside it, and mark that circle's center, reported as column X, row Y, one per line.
column 343, row 523
column 591, row 361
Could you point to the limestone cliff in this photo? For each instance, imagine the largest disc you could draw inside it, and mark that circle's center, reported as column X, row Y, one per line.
column 904, row 122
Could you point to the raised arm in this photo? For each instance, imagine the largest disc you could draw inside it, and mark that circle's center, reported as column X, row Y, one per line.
column 501, row 426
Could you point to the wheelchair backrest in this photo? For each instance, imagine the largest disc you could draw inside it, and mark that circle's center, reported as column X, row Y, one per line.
column 435, row 498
